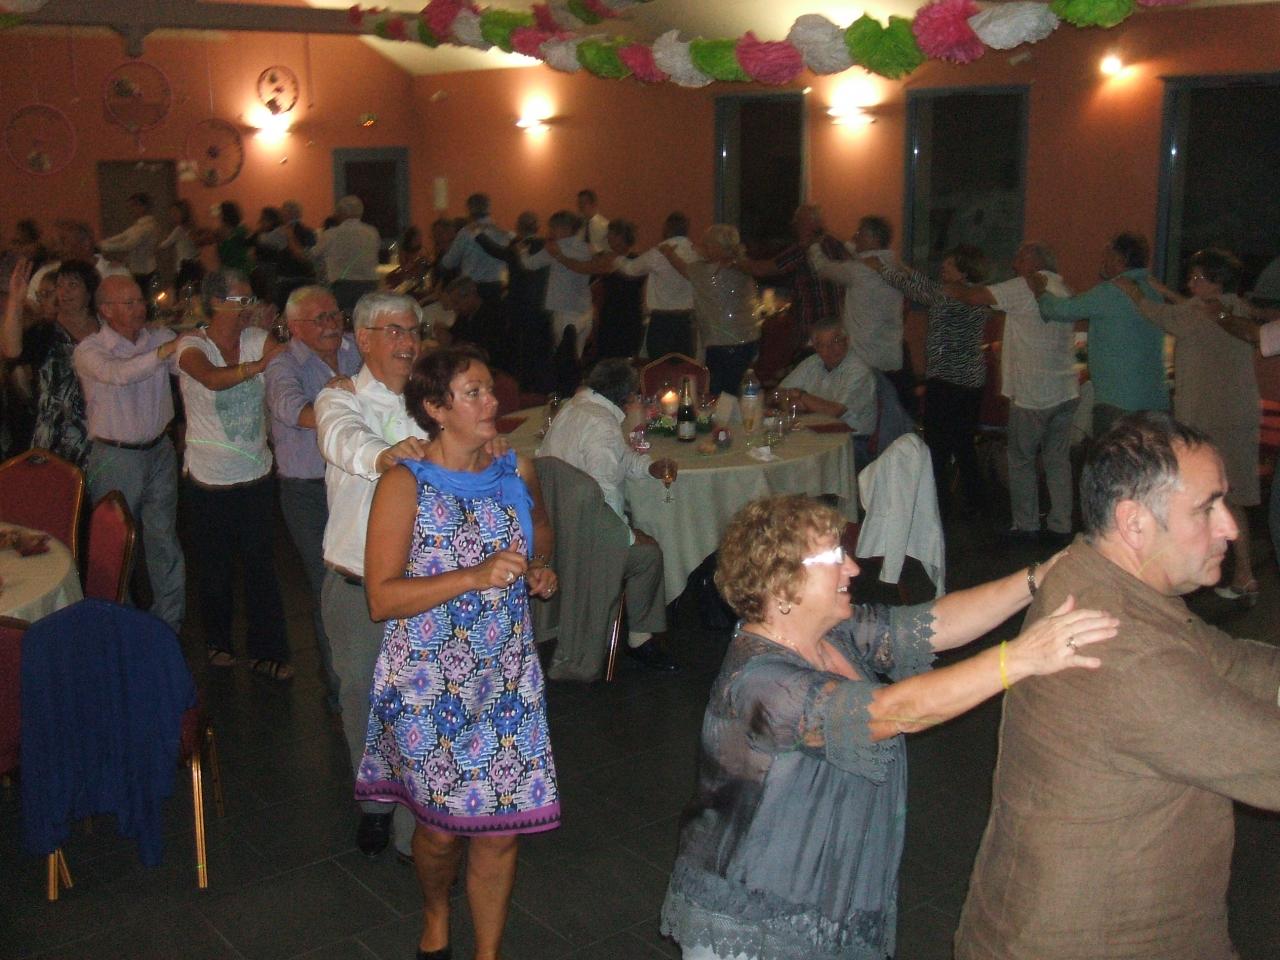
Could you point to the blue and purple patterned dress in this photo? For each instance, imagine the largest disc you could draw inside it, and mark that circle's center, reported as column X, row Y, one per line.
column 457, row 720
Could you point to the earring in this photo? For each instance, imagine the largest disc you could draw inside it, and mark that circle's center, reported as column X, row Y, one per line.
column 784, row 608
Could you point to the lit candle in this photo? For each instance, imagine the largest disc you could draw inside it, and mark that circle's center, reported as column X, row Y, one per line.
column 670, row 403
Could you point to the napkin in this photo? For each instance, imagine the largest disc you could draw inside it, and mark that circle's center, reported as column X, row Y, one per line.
column 763, row 454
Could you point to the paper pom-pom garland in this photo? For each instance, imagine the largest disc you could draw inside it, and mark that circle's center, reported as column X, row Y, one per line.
column 552, row 31
column 772, row 63
column 1008, row 25
column 821, row 43
column 1093, row 13
column 943, row 32
column 890, row 51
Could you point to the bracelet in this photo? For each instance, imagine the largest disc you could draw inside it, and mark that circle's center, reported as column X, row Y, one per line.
column 1032, row 587
column 1004, row 671
column 539, row 560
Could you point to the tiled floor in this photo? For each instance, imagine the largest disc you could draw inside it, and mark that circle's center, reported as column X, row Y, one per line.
column 286, row 881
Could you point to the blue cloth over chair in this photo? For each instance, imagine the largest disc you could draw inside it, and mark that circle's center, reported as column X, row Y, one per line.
column 104, row 688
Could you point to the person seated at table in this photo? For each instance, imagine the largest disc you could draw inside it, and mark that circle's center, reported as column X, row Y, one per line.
column 587, row 434
column 834, row 382
column 483, row 323
column 791, row 843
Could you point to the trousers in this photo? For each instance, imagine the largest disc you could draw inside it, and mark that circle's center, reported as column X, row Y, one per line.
column 1048, row 432
column 306, row 511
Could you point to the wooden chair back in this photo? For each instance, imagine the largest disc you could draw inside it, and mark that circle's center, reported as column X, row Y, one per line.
column 40, row 490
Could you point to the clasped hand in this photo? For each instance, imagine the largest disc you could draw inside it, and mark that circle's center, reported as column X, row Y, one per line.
column 503, row 568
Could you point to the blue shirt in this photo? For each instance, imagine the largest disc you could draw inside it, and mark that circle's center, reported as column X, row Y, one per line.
column 465, row 254
column 294, row 376
column 1126, row 352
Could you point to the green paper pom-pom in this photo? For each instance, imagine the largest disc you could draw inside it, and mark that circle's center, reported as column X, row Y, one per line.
column 426, row 36
column 582, row 12
column 496, row 26
column 1093, row 13
column 889, row 51
column 718, row 59
column 600, row 57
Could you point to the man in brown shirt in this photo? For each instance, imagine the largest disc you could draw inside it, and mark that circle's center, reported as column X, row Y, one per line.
column 1111, row 826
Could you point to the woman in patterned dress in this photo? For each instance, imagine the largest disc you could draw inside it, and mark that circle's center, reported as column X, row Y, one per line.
column 457, row 727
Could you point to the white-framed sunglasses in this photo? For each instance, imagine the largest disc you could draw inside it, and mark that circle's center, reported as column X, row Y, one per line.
column 834, row 555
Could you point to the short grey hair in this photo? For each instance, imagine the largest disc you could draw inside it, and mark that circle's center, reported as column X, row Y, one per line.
column 723, row 236
column 216, row 285
column 1044, row 253
column 293, row 306
column 379, row 303
column 615, row 379
column 350, row 207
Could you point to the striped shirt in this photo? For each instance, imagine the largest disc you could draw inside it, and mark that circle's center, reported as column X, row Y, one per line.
column 953, row 343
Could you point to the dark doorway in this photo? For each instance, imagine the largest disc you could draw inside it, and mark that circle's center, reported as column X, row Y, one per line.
column 380, row 178
column 760, row 165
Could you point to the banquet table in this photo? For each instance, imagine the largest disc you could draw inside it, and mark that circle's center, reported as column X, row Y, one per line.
column 36, row 586
column 816, row 458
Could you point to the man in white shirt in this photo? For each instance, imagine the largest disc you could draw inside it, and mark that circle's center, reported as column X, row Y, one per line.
column 138, row 241
column 468, row 256
column 1037, row 372
column 595, row 225
column 587, row 434
column 834, row 381
column 668, row 295
column 872, row 308
column 362, row 433
column 124, row 370
column 568, row 293
column 349, row 254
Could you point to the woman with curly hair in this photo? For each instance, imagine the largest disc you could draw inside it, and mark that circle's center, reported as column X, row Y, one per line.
column 790, row 846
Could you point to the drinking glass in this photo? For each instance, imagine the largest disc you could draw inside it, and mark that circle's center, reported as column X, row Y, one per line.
column 668, row 477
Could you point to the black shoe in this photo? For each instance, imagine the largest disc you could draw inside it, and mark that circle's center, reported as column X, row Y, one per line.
column 652, row 656
column 374, row 833
column 444, row 953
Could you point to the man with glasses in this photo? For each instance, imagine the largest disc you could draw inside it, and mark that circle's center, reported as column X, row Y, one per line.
column 364, row 430
column 317, row 352
column 124, row 370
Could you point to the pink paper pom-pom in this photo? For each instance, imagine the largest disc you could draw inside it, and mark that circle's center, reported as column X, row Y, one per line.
column 528, row 40
column 599, row 9
column 355, row 16
column 1162, row 3
column 943, row 32
column 440, row 14
column 543, row 18
column 774, row 62
column 639, row 60
column 397, row 29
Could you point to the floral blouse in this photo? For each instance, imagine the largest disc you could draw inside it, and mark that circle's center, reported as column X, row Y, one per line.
column 60, row 415
column 791, row 844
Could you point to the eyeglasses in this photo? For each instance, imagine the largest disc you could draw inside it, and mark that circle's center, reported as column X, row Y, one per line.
column 834, row 555
column 239, row 302
column 133, row 302
column 397, row 332
column 1197, row 276
column 329, row 316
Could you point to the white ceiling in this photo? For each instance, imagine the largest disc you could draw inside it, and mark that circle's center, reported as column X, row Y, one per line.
column 770, row 19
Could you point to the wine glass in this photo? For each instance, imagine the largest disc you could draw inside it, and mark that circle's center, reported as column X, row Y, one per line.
column 667, row 476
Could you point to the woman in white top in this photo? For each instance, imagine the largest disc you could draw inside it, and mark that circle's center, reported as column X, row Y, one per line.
column 181, row 241
column 228, row 474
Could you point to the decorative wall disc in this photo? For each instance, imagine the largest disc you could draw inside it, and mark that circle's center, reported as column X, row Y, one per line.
column 39, row 139
column 215, row 151
column 278, row 89
column 136, row 96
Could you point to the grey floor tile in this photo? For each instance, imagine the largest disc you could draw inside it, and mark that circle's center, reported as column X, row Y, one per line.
column 349, row 949
column 178, row 933
column 294, row 912
column 525, row 937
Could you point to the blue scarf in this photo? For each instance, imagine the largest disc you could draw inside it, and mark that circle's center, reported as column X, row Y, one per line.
column 499, row 480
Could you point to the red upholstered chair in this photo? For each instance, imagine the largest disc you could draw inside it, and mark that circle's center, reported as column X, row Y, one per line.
column 11, row 632
column 673, row 368
column 111, row 539
column 39, row 489
column 507, row 391
column 777, row 347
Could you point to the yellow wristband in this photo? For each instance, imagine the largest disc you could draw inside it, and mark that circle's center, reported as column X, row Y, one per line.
column 1004, row 672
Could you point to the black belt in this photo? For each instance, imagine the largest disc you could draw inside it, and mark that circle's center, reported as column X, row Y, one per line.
column 121, row 445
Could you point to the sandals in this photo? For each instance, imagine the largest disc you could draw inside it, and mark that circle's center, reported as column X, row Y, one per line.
column 272, row 669
column 220, row 658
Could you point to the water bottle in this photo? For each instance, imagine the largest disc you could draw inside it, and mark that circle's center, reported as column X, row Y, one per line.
column 751, row 403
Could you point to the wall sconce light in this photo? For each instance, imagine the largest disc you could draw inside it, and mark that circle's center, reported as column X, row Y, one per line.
column 1111, row 65
column 850, row 116
column 532, row 124
column 272, row 128
column 368, row 120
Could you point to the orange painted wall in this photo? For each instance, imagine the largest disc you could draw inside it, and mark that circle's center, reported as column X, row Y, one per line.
column 349, row 79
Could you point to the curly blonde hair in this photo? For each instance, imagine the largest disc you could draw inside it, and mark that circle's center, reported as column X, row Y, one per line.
column 761, row 555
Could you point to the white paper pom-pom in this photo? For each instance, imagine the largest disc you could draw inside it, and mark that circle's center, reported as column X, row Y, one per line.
column 671, row 54
column 562, row 54
column 619, row 5
column 565, row 18
column 1008, row 25
column 821, row 43
column 466, row 28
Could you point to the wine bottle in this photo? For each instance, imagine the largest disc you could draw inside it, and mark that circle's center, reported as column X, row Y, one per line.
column 686, row 416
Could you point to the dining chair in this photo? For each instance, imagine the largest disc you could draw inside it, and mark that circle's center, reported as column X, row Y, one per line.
column 112, row 535
column 507, row 391
column 39, row 489
column 108, row 708
column 11, row 632
column 778, row 343
column 591, row 544
column 671, row 368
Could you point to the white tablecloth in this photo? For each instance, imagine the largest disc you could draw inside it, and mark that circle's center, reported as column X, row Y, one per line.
column 36, row 586
column 711, row 488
